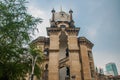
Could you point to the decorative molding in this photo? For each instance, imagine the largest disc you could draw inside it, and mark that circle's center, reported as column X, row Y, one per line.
column 53, row 50
column 53, row 31
column 73, row 50
column 41, row 41
column 85, row 41
column 72, row 31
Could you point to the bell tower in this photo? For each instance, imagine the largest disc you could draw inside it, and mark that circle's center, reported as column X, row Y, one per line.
column 63, row 51
column 68, row 57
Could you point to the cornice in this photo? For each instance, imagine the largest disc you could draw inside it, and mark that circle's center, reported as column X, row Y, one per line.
column 85, row 41
column 72, row 31
column 41, row 39
column 52, row 30
column 53, row 50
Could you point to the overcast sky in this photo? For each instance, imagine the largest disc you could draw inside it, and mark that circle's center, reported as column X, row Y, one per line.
column 99, row 21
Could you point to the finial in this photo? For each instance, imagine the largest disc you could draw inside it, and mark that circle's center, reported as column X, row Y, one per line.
column 53, row 14
column 61, row 8
column 70, row 11
column 71, row 15
column 53, row 11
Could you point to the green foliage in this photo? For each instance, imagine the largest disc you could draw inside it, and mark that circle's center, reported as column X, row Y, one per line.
column 38, row 66
column 16, row 26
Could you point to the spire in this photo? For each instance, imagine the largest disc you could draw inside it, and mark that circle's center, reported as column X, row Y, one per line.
column 71, row 19
column 70, row 11
column 61, row 8
column 71, row 14
column 53, row 11
column 53, row 16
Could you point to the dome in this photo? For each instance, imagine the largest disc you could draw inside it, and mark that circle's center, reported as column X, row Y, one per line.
column 62, row 16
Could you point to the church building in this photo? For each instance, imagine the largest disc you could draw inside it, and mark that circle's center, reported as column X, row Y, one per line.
column 67, row 56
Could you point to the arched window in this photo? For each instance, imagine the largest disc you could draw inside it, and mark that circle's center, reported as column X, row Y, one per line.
column 67, row 71
column 67, row 52
column 90, row 54
column 46, row 67
column 46, row 51
column 45, row 75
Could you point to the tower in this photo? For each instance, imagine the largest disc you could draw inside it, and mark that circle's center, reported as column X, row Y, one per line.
column 68, row 57
column 111, row 69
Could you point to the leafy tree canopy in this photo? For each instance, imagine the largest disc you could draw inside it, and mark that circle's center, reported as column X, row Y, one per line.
column 16, row 26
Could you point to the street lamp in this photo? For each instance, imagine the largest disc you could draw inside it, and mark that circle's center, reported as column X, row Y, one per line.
column 33, row 66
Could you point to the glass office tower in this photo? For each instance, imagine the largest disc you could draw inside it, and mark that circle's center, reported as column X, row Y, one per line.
column 111, row 69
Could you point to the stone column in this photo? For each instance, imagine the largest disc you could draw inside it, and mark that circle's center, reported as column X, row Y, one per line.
column 85, row 62
column 86, row 58
column 53, row 58
column 75, row 66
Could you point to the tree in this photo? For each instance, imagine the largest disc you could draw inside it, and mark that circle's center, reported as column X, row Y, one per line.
column 16, row 26
column 38, row 59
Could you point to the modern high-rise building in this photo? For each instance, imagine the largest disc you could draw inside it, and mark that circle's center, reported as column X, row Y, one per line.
column 68, row 57
column 111, row 69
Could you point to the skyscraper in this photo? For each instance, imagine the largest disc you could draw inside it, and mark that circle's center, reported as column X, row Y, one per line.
column 111, row 69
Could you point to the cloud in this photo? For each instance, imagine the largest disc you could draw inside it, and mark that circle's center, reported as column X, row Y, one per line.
column 92, row 32
column 36, row 12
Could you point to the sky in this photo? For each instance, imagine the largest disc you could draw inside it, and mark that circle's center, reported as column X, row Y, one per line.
column 99, row 21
